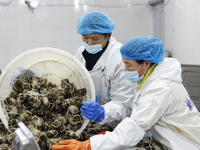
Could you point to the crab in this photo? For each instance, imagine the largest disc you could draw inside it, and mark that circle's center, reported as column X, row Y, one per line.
column 56, row 124
column 51, row 112
column 43, row 136
column 4, row 147
column 73, row 109
column 62, row 128
column 45, row 101
column 75, row 120
column 10, row 101
column 37, row 121
column 24, row 116
column 3, row 139
column 18, row 85
column 71, row 135
column 52, row 134
column 67, row 102
column 61, row 118
column 53, row 141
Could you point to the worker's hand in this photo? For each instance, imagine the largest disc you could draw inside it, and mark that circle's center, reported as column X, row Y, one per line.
column 72, row 145
column 103, row 132
column 92, row 110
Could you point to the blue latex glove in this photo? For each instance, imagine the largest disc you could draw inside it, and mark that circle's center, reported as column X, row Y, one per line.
column 97, row 98
column 92, row 110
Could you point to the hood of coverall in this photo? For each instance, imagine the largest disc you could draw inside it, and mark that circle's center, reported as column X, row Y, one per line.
column 169, row 69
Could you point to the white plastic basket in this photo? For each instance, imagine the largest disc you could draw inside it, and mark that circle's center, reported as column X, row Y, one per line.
column 50, row 63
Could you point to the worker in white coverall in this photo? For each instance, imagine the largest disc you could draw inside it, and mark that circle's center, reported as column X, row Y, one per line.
column 101, row 56
column 163, row 105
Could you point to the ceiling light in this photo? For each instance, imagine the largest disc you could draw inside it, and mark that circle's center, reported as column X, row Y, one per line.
column 5, row 2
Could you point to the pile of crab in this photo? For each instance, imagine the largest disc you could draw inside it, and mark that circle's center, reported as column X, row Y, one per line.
column 51, row 112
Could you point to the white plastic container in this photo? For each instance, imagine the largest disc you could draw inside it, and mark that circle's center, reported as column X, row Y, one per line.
column 50, row 63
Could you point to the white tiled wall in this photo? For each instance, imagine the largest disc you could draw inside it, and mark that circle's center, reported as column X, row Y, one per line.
column 182, row 30
column 55, row 26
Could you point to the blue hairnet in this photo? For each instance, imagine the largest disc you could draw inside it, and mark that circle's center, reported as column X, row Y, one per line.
column 95, row 22
column 144, row 48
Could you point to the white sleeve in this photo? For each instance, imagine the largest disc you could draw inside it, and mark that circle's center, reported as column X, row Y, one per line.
column 127, row 134
column 114, row 112
column 78, row 53
column 121, row 91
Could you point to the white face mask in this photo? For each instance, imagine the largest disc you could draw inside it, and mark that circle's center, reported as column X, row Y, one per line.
column 133, row 76
column 93, row 49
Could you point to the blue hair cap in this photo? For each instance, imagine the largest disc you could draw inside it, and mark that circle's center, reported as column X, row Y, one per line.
column 144, row 48
column 95, row 22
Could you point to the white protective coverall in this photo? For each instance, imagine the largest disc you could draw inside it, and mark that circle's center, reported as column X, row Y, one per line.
column 116, row 92
column 164, row 106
